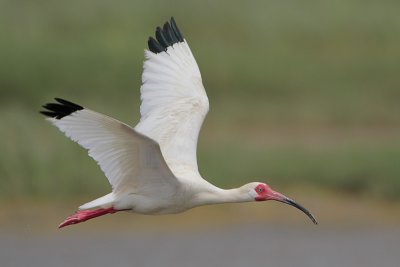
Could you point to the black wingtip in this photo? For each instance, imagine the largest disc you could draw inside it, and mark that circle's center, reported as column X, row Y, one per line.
column 166, row 36
column 61, row 109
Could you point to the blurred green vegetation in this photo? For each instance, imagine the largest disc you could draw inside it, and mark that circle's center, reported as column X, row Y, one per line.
column 303, row 92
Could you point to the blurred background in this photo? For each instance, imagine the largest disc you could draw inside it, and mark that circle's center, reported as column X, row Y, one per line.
column 304, row 95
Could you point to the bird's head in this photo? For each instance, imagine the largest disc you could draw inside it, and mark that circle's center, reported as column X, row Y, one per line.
column 263, row 192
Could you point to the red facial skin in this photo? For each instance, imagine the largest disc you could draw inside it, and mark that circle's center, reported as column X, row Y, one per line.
column 265, row 192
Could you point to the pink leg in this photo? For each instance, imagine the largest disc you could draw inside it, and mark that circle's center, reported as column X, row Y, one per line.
column 84, row 215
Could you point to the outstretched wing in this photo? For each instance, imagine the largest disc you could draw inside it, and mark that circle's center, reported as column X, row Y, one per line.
column 132, row 162
column 174, row 102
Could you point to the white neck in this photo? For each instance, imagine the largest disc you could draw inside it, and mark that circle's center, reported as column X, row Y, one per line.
column 215, row 195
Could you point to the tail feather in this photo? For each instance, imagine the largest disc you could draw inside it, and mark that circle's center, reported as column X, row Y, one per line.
column 106, row 201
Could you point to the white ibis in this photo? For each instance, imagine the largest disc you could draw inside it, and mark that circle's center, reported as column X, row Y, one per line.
column 152, row 167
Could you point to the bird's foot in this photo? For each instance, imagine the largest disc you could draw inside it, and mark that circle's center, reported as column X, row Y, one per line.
column 84, row 215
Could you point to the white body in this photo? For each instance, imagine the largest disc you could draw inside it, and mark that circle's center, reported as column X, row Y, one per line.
column 153, row 167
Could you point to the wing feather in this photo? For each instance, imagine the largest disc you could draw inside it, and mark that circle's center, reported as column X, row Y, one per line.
column 130, row 160
column 174, row 101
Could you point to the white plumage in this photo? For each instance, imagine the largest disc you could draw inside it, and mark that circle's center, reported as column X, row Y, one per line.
column 174, row 105
column 152, row 167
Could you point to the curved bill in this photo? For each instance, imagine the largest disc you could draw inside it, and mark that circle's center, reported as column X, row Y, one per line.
column 297, row 205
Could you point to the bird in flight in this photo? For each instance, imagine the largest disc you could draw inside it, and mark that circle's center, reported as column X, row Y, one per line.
column 152, row 167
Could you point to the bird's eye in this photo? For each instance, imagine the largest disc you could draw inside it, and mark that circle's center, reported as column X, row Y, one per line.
column 260, row 189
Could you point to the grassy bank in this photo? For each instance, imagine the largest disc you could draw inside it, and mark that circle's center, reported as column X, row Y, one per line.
column 300, row 92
